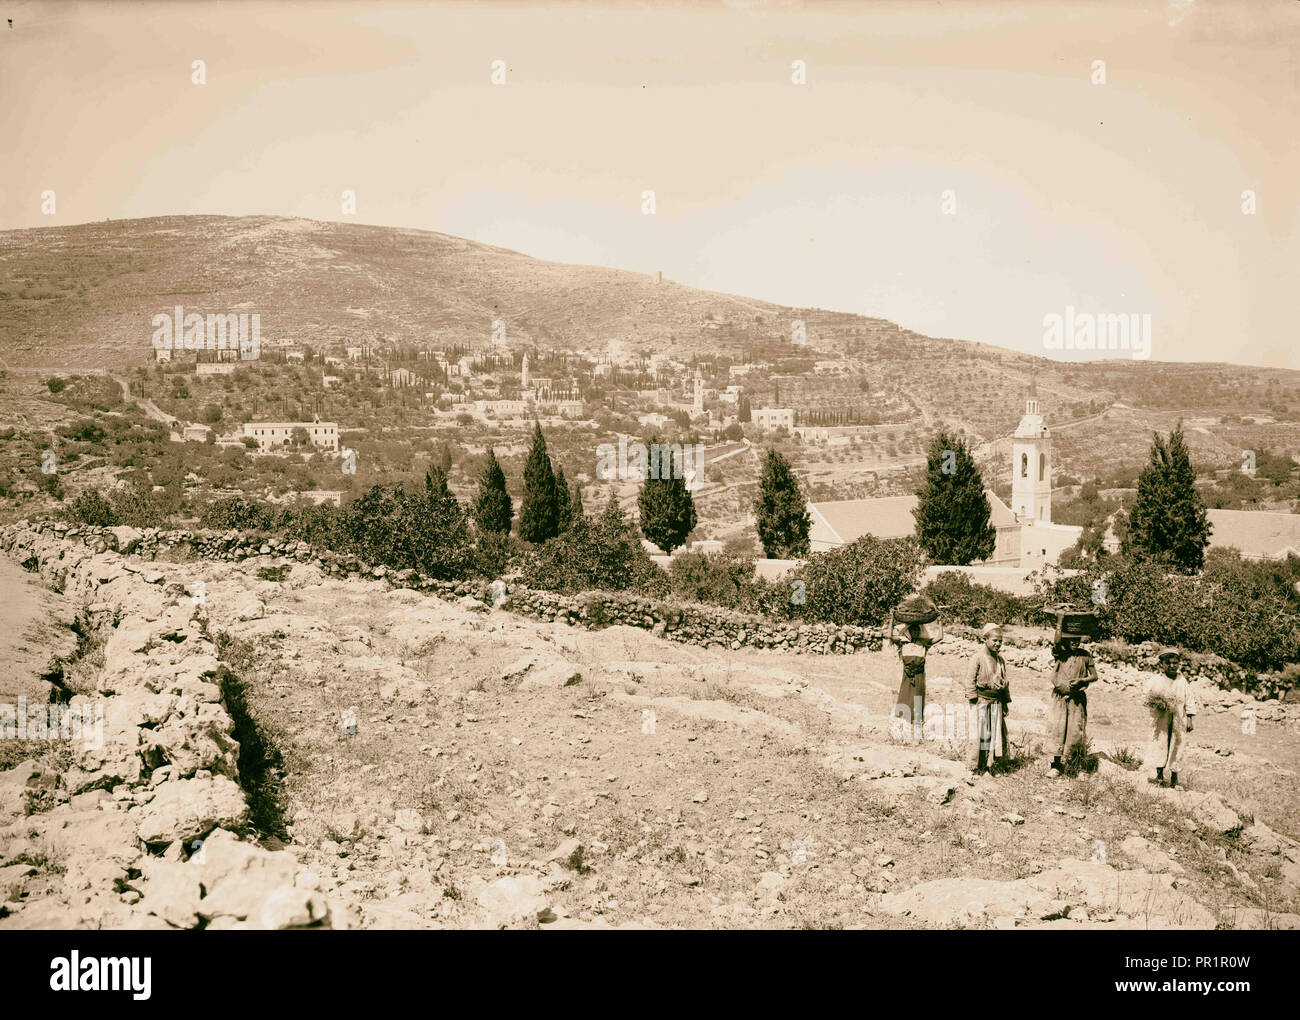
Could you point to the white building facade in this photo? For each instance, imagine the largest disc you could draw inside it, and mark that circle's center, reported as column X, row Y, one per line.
column 276, row 435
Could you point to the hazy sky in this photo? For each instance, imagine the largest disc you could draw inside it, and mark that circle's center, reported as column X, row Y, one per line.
column 1123, row 197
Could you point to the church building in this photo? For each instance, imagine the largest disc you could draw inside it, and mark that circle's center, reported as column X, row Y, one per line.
column 1026, row 537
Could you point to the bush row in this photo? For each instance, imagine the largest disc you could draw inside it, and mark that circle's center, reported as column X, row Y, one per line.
column 1243, row 612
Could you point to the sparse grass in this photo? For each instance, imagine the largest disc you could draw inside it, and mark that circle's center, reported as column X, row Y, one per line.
column 40, row 859
column 1126, row 758
column 13, row 752
column 575, row 862
column 1019, row 758
column 1086, row 792
column 1078, row 760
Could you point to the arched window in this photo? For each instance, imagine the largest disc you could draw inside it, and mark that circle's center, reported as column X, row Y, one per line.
column 1024, row 465
column 1042, row 466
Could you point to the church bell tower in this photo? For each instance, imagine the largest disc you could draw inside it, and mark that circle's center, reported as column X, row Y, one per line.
column 1031, row 465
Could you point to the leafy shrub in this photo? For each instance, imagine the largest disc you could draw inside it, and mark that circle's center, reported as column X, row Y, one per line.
column 965, row 601
column 236, row 512
column 315, row 524
column 1233, row 609
column 495, row 554
column 717, row 578
column 140, row 507
column 83, row 431
column 56, row 385
column 92, row 508
column 425, row 530
column 859, row 583
column 595, row 555
column 50, row 484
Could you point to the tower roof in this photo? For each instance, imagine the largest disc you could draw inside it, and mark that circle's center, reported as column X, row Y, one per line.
column 1031, row 425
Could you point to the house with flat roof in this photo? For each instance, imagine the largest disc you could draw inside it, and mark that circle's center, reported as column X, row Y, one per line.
column 1256, row 534
column 278, row 435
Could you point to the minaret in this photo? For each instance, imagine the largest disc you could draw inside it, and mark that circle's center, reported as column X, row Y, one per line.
column 699, row 392
column 523, row 373
column 1031, row 464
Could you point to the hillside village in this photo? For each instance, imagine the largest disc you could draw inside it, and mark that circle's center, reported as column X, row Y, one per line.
column 351, row 395
column 504, row 388
column 335, row 554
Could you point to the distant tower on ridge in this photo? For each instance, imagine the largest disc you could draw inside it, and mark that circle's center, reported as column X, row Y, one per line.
column 699, row 392
column 523, row 372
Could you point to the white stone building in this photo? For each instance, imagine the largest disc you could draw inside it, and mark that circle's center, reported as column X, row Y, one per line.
column 769, row 418
column 278, row 435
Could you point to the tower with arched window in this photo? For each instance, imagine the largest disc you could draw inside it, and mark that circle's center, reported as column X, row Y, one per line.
column 1031, row 465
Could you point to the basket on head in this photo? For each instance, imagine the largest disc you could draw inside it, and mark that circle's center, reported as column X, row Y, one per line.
column 916, row 609
column 1075, row 623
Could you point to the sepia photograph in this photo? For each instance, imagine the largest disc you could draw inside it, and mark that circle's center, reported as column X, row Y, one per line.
column 725, row 466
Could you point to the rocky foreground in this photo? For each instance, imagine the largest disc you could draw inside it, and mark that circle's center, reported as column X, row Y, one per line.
column 283, row 748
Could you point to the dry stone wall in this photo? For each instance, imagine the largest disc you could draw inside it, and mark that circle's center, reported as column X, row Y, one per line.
column 149, row 818
column 687, row 622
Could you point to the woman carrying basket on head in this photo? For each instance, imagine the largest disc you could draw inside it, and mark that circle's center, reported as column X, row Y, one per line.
column 1072, row 672
column 913, row 628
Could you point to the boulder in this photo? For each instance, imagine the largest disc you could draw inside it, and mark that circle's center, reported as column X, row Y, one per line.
column 292, row 907
column 1211, row 813
column 189, row 808
column 238, row 877
column 516, row 900
column 170, row 890
column 1147, row 855
column 246, row 607
column 125, row 538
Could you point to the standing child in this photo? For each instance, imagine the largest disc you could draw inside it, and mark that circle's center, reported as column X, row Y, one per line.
column 914, row 628
column 989, row 697
column 1173, row 706
column 1072, row 672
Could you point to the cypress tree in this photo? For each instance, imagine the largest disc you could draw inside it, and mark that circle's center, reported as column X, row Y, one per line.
column 953, row 521
column 1168, row 521
column 576, row 513
column 562, row 500
column 780, row 510
column 667, row 509
column 538, row 519
column 493, row 506
column 435, row 484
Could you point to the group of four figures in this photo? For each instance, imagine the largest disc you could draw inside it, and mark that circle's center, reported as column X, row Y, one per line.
column 915, row 628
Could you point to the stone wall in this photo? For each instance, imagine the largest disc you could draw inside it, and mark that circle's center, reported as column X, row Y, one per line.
column 146, row 819
column 687, row 622
column 1212, row 668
